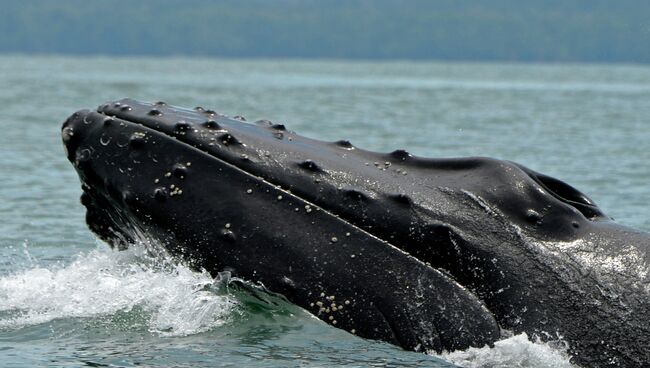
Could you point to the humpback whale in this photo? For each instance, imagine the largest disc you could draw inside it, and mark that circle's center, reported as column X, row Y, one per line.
column 428, row 254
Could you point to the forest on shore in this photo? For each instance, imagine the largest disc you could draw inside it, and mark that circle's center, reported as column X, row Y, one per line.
column 503, row 30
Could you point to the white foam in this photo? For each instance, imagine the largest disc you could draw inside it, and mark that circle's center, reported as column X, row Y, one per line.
column 103, row 282
column 512, row 352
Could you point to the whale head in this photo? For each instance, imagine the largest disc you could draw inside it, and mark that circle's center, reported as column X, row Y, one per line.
column 428, row 254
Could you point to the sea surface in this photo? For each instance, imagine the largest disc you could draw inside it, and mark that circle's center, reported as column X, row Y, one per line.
column 66, row 299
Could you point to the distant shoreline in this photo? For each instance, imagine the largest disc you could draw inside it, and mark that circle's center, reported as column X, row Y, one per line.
column 318, row 59
column 496, row 31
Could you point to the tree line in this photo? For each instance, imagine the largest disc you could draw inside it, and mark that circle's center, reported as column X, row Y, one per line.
column 504, row 30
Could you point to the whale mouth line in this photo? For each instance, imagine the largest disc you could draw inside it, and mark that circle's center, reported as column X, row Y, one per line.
column 222, row 161
column 278, row 187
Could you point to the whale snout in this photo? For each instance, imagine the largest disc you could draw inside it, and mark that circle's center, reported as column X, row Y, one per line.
column 208, row 188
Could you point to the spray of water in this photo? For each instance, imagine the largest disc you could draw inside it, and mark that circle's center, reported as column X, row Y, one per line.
column 103, row 282
column 513, row 352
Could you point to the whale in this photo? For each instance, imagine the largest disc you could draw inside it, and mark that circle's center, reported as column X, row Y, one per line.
column 430, row 254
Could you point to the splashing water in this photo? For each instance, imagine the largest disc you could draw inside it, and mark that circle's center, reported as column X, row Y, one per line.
column 515, row 351
column 103, row 282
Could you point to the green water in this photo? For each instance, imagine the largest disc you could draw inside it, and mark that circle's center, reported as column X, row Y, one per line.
column 67, row 300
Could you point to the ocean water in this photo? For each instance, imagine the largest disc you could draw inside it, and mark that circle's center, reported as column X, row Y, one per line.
column 66, row 299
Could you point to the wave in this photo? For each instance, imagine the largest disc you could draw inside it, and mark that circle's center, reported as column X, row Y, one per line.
column 177, row 300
